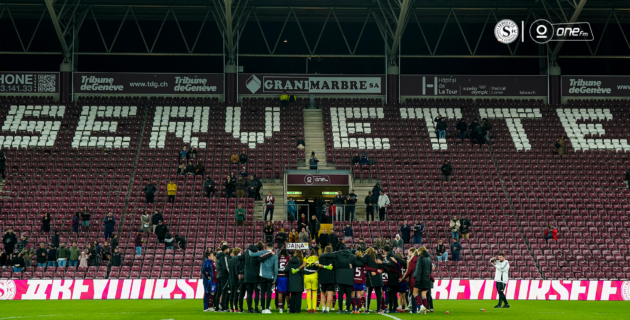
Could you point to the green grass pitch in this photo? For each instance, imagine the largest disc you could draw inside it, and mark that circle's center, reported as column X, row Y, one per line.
column 191, row 309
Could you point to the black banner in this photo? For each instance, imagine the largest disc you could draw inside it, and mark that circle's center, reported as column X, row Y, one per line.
column 449, row 85
column 596, row 86
column 148, row 83
column 29, row 82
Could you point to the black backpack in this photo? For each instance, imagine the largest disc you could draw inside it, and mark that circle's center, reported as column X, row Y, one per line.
column 557, row 145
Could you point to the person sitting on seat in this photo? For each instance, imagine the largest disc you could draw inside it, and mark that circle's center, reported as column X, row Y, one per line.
column 313, row 161
column 200, row 170
column 190, row 169
column 243, row 157
column 234, row 159
column 244, row 173
column 356, row 159
column 364, row 160
column 181, row 169
column 300, row 143
column 284, row 99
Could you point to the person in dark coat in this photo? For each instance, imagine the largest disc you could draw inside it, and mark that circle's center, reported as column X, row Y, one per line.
column 356, row 159
column 465, row 228
column 479, row 135
column 441, row 128
column 9, row 240
column 116, row 259
column 393, row 265
column 302, row 222
column 155, row 219
column 422, row 275
column 46, row 222
column 85, row 217
column 160, row 231
column 344, row 263
column 149, row 191
column 110, row 223
column 376, row 192
column 462, row 127
column 374, row 269
column 296, row 281
column 446, row 170
column 323, row 239
column 369, row 209
column 252, row 271
column 3, row 163
column 405, row 232
column 281, row 238
column 313, row 227
column 42, row 255
column 486, row 127
column 260, row 185
column 333, row 241
column 326, row 279
column 230, row 186
column 319, row 207
column 243, row 158
column 209, row 186
column 233, row 278
column 55, row 239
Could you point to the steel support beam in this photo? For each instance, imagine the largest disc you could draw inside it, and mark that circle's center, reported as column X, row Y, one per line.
column 576, row 14
column 60, row 33
column 400, row 26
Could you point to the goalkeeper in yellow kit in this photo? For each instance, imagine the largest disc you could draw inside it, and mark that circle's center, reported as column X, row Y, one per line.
column 310, row 280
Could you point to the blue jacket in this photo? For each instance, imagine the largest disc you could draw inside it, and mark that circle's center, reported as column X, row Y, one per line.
column 405, row 232
column 292, row 208
column 182, row 154
column 347, row 232
column 52, row 254
column 109, row 225
column 418, row 229
column 456, row 248
column 269, row 267
column 206, row 271
column 244, row 173
column 364, row 160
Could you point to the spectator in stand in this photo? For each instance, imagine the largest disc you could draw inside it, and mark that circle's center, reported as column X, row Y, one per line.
column 41, row 255
column 300, row 143
column 85, row 217
column 181, row 169
column 235, row 159
column 348, row 233
column 440, row 251
column 361, row 246
column 356, row 159
column 46, row 223
column 251, row 187
column 364, row 160
column 369, row 209
column 240, row 216
column 209, row 186
column 302, row 222
column 22, row 243
column 116, row 260
column 339, row 202
column 76, row 222
column 441, row 128
column 446, row 171
column 114, row 242
column 230, row 186
column 83, row 259
column 95, row 254
column 200, row 170
column 149, row 191
column 241, row 185
column 462, row 127
column 171, row 191
column 268, row 231
column 304, row 235
column 18, row 263
column 383, row 202
column 3, row 163
column 191, row 168
column 4, row 260
column 418, row 231
column 183, row 154
column 465, row 228
column 52, row 256
column 138, row 241
column 284, row 99
column 486, row 127
column 351, row 201
column 244, row 173
column 456, row 248
column 192, row 153
column 169, row 241
column 376, row 192
column 628, row 177
column 291, row 209
column 322, row 239
column 292, row 97
column 313, row 161
column 160, row 231
column 74, row 255
column 145, row 222
column 156, row 218
column 243, row 158
column 560, row 146
column 378, row 243
column 281, row 238
column 405, row 230
column 55, row 239
column 471, row 127
column 319, row 207
column 551, row 233
column 107, row 251
column 455, row 224
column 260, row 185
column 293, row 236
column 110, row 223
column 269, row 206
column 313, row 227
column 27, row 254
column 399, row 243
column 181, row 241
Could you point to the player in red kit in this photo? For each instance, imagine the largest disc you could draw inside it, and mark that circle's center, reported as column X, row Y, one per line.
column 282, row 284
column 358, row 290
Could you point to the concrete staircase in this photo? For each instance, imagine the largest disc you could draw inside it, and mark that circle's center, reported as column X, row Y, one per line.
column 314, row 138
column 361, row 189
column 276, row 188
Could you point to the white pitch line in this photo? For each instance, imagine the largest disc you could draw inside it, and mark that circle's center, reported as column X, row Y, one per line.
column 387, row 315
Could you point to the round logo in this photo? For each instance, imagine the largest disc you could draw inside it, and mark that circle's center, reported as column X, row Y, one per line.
column 308, row 179
column 541, row 31
column 7, row 289
column 625, row 290
column 506, row 31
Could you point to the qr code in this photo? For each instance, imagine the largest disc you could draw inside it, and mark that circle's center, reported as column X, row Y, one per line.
column 46, row 83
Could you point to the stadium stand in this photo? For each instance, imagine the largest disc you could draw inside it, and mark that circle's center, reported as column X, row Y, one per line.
column 104, row 150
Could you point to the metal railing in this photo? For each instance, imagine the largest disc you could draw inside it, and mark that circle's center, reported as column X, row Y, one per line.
column 337, row 214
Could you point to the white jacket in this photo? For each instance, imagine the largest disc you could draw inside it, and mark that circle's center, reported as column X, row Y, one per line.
column 501, row 274
column 383, row 201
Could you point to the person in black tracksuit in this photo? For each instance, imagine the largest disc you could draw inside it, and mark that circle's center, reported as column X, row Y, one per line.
column 233, row 280
column 296, row 281
column 344, row 264
column 326, row 280
column 240, row 270
column 394, row 265
column 223, row 279
column 370, row 203
column 3, row 162
column 374, row 267
column 251, row 274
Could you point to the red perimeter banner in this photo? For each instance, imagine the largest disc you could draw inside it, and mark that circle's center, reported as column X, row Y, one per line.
column 596, row 86
column 317, row 84
column 149, row 83
column 460, row 85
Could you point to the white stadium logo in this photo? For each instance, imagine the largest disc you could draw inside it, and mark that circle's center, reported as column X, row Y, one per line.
column 253, row 84
column 7, row 289
column 506, row 31
column 625, row 290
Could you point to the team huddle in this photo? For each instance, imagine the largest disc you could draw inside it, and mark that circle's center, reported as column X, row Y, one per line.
column 399, row 283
